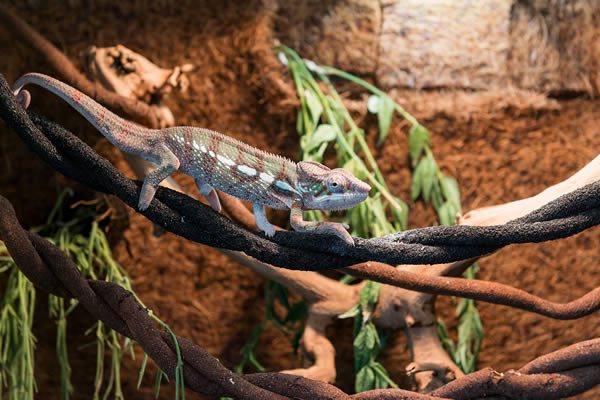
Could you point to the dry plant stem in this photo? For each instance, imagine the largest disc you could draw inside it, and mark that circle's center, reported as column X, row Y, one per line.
column 136, row 110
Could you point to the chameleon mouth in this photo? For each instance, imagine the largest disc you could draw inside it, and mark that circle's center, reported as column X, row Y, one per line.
column 340, row 202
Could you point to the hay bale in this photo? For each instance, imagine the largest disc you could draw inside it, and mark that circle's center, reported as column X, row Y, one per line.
column 344, row 33
column 555, row 46
column 444, row 43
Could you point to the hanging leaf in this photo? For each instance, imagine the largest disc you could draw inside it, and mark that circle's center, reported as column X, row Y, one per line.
column 447, row 214
column 338, row 111
column 314, row 106
column 365, row 379
column 451, row 190
column 429, row 177
column 325, row 133
column 369, row 295
column 417, row 182
column 362, row 353
column 385, row 112
column 418, row 139
column 351, row 313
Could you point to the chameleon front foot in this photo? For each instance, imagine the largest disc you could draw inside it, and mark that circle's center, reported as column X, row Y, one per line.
column 335, row 228
column 261, row 220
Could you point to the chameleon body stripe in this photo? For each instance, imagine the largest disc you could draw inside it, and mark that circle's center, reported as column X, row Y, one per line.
column 234, row 167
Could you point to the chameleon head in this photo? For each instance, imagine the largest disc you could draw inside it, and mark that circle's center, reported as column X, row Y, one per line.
column 322, row 188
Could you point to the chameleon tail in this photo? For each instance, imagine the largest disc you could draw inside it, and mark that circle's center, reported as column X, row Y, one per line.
column 119, row 131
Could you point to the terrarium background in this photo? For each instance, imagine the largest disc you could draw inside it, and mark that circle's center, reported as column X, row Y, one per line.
column 501, row 142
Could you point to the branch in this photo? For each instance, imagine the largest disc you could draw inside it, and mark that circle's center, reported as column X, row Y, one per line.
column 119, row 310
column 186, row 217
column 514, row 385
column 490, row 292
column 579, row 354
column 501, row 214
column 319, row 348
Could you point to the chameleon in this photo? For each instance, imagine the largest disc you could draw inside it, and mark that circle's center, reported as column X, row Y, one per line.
column 217, row 161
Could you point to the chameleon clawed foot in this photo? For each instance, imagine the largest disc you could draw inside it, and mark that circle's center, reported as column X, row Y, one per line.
column 261, row 220
column 338, row 229
column 269, row 231
column 146, row 196
column 210, row 194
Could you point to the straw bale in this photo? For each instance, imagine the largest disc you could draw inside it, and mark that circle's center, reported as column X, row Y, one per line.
column 444, row 43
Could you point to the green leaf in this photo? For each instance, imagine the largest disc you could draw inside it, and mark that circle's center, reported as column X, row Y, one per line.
column 381, row 372
column 385, row 112
column 400, row 214
column 369, row 294
column 314, row 106
column 447, row 214
column 450, row 190
column 429, row 177
column 362, row 353
column 300, row 123
column 371, row 337
column 351, row 313
column 365, row 379
column 324, row 133
column 417, row 180
column 418, row 139
column 338, row 111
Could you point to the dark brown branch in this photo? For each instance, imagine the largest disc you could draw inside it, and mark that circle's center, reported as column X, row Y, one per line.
column 119, row 310
column 56, row 59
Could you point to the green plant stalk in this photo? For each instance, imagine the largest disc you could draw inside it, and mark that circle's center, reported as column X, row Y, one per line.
column 92, row 254
column 470, row 330
column 17, row 342
column 370, row 373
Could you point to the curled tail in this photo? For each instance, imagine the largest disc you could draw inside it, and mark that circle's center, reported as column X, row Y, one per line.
column 119, row 131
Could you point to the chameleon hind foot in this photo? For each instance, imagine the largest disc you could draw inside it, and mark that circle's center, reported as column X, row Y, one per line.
column 210, row 194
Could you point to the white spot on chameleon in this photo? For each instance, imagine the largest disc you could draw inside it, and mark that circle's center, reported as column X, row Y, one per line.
column 285, row 186
column 246, row 170
column 227, row 161
column 211, row 153
column 203, row 149
column 266, row 177
column 196, row 145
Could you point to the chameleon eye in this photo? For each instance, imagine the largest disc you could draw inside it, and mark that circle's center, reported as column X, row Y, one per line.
column 335, row 186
